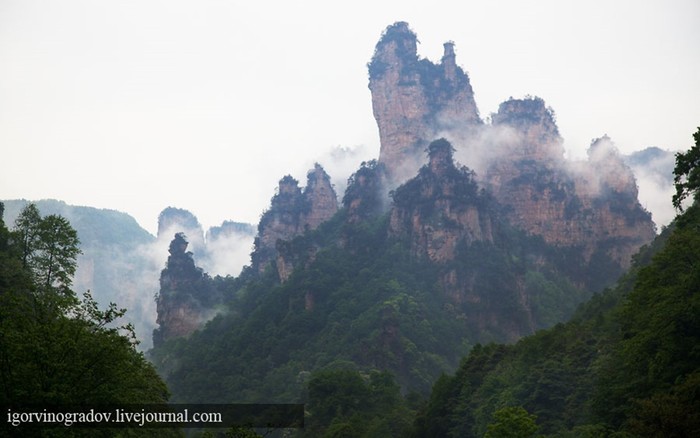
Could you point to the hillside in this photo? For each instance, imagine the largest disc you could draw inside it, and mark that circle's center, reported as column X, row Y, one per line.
column 120, row 261
column 425, row 258
column 627, row 361
column 409, row 290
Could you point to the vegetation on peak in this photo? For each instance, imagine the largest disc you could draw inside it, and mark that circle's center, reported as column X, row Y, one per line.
column 364, row 196
column 627, row 364
column 527, row 111
column 460, row 183
column 687, row 174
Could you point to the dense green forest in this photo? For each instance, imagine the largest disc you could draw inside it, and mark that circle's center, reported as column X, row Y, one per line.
column 362, row 300
column 374, row 351
column 362, row 333
column 627, row 364
column 56, row 348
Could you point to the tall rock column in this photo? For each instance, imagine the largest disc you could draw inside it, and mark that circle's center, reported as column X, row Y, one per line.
column 440, row 208
column 293, row 212
column 413, row 100
column 185, row 296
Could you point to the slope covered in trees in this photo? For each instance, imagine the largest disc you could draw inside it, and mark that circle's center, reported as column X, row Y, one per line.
column 363, row 327
column 57, row 349
column 627, row 364
column 369, row 294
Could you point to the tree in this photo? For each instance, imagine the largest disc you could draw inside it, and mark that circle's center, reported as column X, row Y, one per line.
column 687, row 173
column 49, row 248
column 26, row 233
column 57, row 350
column 512, row 422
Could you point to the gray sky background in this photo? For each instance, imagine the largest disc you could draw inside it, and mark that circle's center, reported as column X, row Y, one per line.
column 136, row 105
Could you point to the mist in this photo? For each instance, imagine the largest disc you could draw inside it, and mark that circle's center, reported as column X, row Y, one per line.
column 482, row 147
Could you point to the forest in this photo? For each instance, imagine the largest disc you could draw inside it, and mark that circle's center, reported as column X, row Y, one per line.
column 377, row 350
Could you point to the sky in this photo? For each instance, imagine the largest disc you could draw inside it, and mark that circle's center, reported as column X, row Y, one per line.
column 137, row 105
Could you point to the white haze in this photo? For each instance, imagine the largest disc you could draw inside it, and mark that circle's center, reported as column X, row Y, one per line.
column 140, row 271
column 655, row 181
column 136, row 105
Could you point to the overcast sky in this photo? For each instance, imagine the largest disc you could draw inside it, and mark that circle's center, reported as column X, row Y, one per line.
column 205, row 105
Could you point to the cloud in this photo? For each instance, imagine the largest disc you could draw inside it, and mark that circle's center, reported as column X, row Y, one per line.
column 228, row 251
column 340, row 162
column 653, row 168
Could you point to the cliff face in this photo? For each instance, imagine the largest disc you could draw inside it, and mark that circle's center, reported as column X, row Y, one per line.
column 321, row 197
column 228, row 229
column 440, row 208
column 291, row 213
column 413, row 99
column 186, row 296
column 592, row 206
column 365, row 195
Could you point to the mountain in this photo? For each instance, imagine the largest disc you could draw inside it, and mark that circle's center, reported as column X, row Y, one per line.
column 221, row 250
column 425, row 258
column 186, row 295
column 518, row 158
column 413, row 100
column 115, row 265
column 625, row 365
column 120, row 261
column 408, row 290
column 653, row 170
column 447, row 271
column 293, row 212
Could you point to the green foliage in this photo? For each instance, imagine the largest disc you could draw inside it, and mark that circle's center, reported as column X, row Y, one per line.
column 627, row 364
column 363, row 196
column 687, row 173
column 659, row 327
column 463, row 189
column 361, row 300
column 523, row 112
column 359, row 297
column 348, row 403
column 54, row 348
column 512, row 422
column 400, row 34
column 48, row 248
column 365, row 304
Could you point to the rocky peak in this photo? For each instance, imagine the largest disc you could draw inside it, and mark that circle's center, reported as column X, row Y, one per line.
column 440, row 160
column 590, row 205
column 288, row 188
column 534, row 125
column 185, row 295
column 609, row 172
column 280, row 221
column 177, row 220
column 365, row 194
column 449, row 61
column 293, row 212
column 440, row 208
column 321, row 197
column 172, row 217
column 413, row 99
column 520, row 156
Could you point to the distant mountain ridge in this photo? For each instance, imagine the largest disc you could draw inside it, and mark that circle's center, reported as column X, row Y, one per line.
column 463, row 231
column 506, row 246
column 121, row 261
